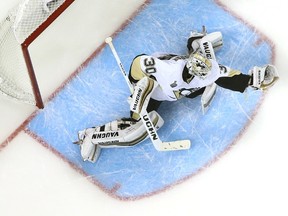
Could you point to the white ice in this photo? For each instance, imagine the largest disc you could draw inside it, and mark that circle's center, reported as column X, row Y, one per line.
column 251, row 179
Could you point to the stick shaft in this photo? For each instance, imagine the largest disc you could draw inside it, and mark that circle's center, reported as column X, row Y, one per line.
column 109, row 42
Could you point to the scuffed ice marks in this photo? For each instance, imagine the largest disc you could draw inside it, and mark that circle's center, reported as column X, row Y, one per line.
column 98, row 95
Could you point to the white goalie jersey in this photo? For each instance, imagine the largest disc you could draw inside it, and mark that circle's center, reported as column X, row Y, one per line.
column 170, row 75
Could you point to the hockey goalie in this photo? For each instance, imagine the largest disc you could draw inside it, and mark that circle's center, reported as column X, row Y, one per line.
column 168, row 77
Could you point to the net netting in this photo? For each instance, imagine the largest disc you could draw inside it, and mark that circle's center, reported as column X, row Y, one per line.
column 18, row 25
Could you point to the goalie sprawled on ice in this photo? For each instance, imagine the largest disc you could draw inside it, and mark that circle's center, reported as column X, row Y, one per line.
column 169, row 77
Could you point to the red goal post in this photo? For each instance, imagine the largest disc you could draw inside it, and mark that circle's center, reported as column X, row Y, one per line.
column 18, row 30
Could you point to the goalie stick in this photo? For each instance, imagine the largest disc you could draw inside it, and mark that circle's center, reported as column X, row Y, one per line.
column 151, row 131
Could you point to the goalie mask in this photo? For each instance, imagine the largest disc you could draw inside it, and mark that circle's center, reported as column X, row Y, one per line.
column 198, row 65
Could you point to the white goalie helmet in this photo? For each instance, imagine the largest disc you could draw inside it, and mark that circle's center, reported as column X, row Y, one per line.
column 198, row 65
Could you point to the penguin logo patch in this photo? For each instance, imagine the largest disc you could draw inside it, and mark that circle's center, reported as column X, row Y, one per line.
column 174, row 84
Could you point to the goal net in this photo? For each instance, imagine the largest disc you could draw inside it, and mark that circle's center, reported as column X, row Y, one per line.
column 18, row 30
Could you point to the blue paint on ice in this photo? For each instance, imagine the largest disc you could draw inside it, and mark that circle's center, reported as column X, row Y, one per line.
column 98, row 95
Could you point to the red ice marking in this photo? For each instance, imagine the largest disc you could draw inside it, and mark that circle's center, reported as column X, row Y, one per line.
column 23, row 126
column 68, row 80
column 113, row 191
column 262, row 37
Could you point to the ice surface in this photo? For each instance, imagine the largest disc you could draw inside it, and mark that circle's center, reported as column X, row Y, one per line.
column 250, row 179
column 98, row 95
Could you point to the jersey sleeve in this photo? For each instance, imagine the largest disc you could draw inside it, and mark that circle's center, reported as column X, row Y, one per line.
column 237, row 82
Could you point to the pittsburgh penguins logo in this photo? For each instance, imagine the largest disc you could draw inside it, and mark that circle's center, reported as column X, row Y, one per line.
column 184, row 92
column 174, row 84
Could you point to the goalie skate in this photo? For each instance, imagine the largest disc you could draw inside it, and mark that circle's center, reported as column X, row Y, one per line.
column 88, row 152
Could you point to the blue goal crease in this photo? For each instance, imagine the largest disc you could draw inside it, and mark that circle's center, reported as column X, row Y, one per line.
column 98, row 94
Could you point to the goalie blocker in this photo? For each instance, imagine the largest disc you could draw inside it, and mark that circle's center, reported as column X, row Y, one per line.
column 124, row 132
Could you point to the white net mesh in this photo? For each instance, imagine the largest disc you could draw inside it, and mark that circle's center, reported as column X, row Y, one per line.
column 20, row 23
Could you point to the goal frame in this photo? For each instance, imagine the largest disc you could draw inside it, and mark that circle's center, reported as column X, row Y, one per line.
column 29, row 40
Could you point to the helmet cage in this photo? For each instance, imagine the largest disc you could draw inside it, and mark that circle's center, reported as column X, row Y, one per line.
column 198, row 65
